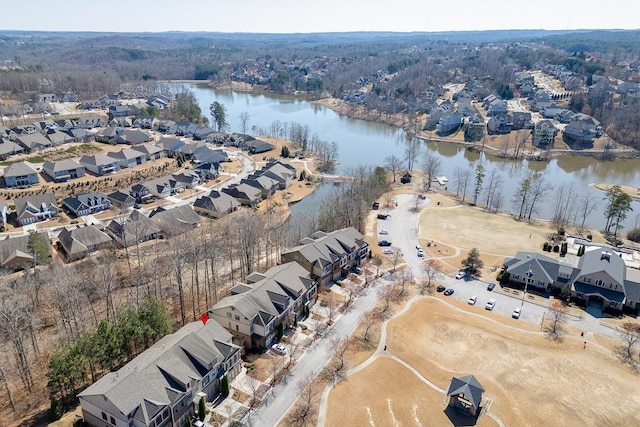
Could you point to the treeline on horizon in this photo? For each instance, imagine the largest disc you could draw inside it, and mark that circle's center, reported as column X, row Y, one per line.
column 92, row 64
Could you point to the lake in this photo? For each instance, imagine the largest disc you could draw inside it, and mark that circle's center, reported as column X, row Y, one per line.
column 367, row 143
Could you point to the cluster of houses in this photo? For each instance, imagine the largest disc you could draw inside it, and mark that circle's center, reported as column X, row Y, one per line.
column 602, row 274
column 80, row 241
column 163, row 385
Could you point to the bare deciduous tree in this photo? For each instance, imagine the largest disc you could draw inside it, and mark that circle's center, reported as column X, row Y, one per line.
column 393, row 165
column 557, row 315
column 368, row 320
column 432, row 271
column 304, row 408
column 627, row 351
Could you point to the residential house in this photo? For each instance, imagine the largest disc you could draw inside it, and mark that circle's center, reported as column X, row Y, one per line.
column 100, row 164
column 164, row 187
column 188, row 179
column 132, row 137
column 142, row 194
column 121, row 200
column 33, row 142
column 59, row 137
column 600, row 275
column 284, row 173
column 79, row 242
column 163, row 385
column 254, row 310
column 207, row 171
column 204, row 154
column 15, row 253
column 203, row 132
column 520, row 120
column 246, row 194
column 80, row 134
column 185, row 128
column 497, row 107
column 9, row 148
column 177, row 220
column 499, row 125
column 579, row 134
column 135, row 228
column 91, row 122
column 328, row 256
column 63, row 170
column 20, row 174
column 266, row 185
column 119, row 111
column 216, row 204
column 87, row 204
column 121, row 122
column 544, row 133
column 448, row 124
column 35, row 208
column 108, row 135
column 169, row 145
column 475, row 129
column 257, row 146
column 188, row 149
column 128, row 157
column 540, row 101
column 152, row 152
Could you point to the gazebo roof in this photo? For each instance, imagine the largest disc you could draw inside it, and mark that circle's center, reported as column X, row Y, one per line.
column 469, row 387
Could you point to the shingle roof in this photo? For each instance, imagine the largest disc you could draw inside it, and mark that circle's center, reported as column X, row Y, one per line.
column 78, row 240
column 325, row 248
column 20, row 168
column 175, row 221
column 61, row 165
column 467, row 386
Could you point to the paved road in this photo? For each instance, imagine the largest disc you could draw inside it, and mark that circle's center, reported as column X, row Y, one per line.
column 285, row 393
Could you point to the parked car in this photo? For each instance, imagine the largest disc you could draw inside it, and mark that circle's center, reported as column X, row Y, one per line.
column 420, row 253
column 461, row 274
column 516, row 313
column 387, row 251
column 384, row 243
column 473, row 300
column 448, row 292
column 440, row 288
column 279, row 348
column 383, row 216
column 491, row 286
column 357, row 270
column 490, row 304
column 385, row 232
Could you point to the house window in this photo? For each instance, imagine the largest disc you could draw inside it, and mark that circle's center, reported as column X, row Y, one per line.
column 599, row 282
column 237, row 317
column 104, row 416
column 237, row 328
column 113, row 420
column 229, row 315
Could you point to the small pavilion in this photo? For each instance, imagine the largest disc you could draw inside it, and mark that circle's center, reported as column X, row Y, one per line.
column 465, row 394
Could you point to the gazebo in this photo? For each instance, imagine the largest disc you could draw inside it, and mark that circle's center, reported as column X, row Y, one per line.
column 465, row 394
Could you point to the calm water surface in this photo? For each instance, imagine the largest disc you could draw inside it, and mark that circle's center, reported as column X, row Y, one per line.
column 367, row 143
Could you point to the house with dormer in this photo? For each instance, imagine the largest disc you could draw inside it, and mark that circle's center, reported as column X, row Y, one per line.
column 255, row 309
column 163, row 385
column 329, row 256
column 86, row 204
column 35, row 208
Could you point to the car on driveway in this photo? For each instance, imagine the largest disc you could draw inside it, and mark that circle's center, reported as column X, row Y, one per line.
column 448, row 292
column 384, row 243
column 387, row 251
column 384, row 232
column 279, row 348
column 440, row 288
column 473, row 300
column 516, row 313
column 490, row 304
column 491, row 286
column 461, row 274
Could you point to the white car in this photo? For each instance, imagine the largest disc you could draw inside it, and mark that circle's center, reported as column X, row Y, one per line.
column 385, row 232
column 387, row 251
column 420, row 253
column 516, row 313
column 490, row 304
column 280, row 349
column 461, row 274
column 473, row 300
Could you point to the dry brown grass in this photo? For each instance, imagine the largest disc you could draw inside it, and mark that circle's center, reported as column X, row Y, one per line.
column 531, row 379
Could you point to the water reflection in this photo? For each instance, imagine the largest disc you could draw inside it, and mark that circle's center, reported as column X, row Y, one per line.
column 368, row 143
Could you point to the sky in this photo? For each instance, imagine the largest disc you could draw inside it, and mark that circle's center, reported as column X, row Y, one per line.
column 300, row 16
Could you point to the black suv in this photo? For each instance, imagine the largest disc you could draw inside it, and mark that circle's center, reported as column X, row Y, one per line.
column 440, row 288
column 384, row 243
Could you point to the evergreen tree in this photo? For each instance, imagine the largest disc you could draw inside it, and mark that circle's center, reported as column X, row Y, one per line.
column 202, row 409
column 472, row 263
column 224, row 386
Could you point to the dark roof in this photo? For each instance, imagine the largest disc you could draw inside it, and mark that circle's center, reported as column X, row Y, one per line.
column 79, row 239
column 608, row 294
column 467, row 386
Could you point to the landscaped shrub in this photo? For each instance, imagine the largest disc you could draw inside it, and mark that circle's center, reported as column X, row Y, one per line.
column 634, row 235
column 224, row 386
column 545, row 247
column 556, row 248
column 589, row 237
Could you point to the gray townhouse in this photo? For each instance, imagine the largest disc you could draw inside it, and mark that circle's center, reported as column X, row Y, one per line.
column 254, row 309
column 63, row 170
column 329, row 256
column 20, row 174
column 162, row 386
